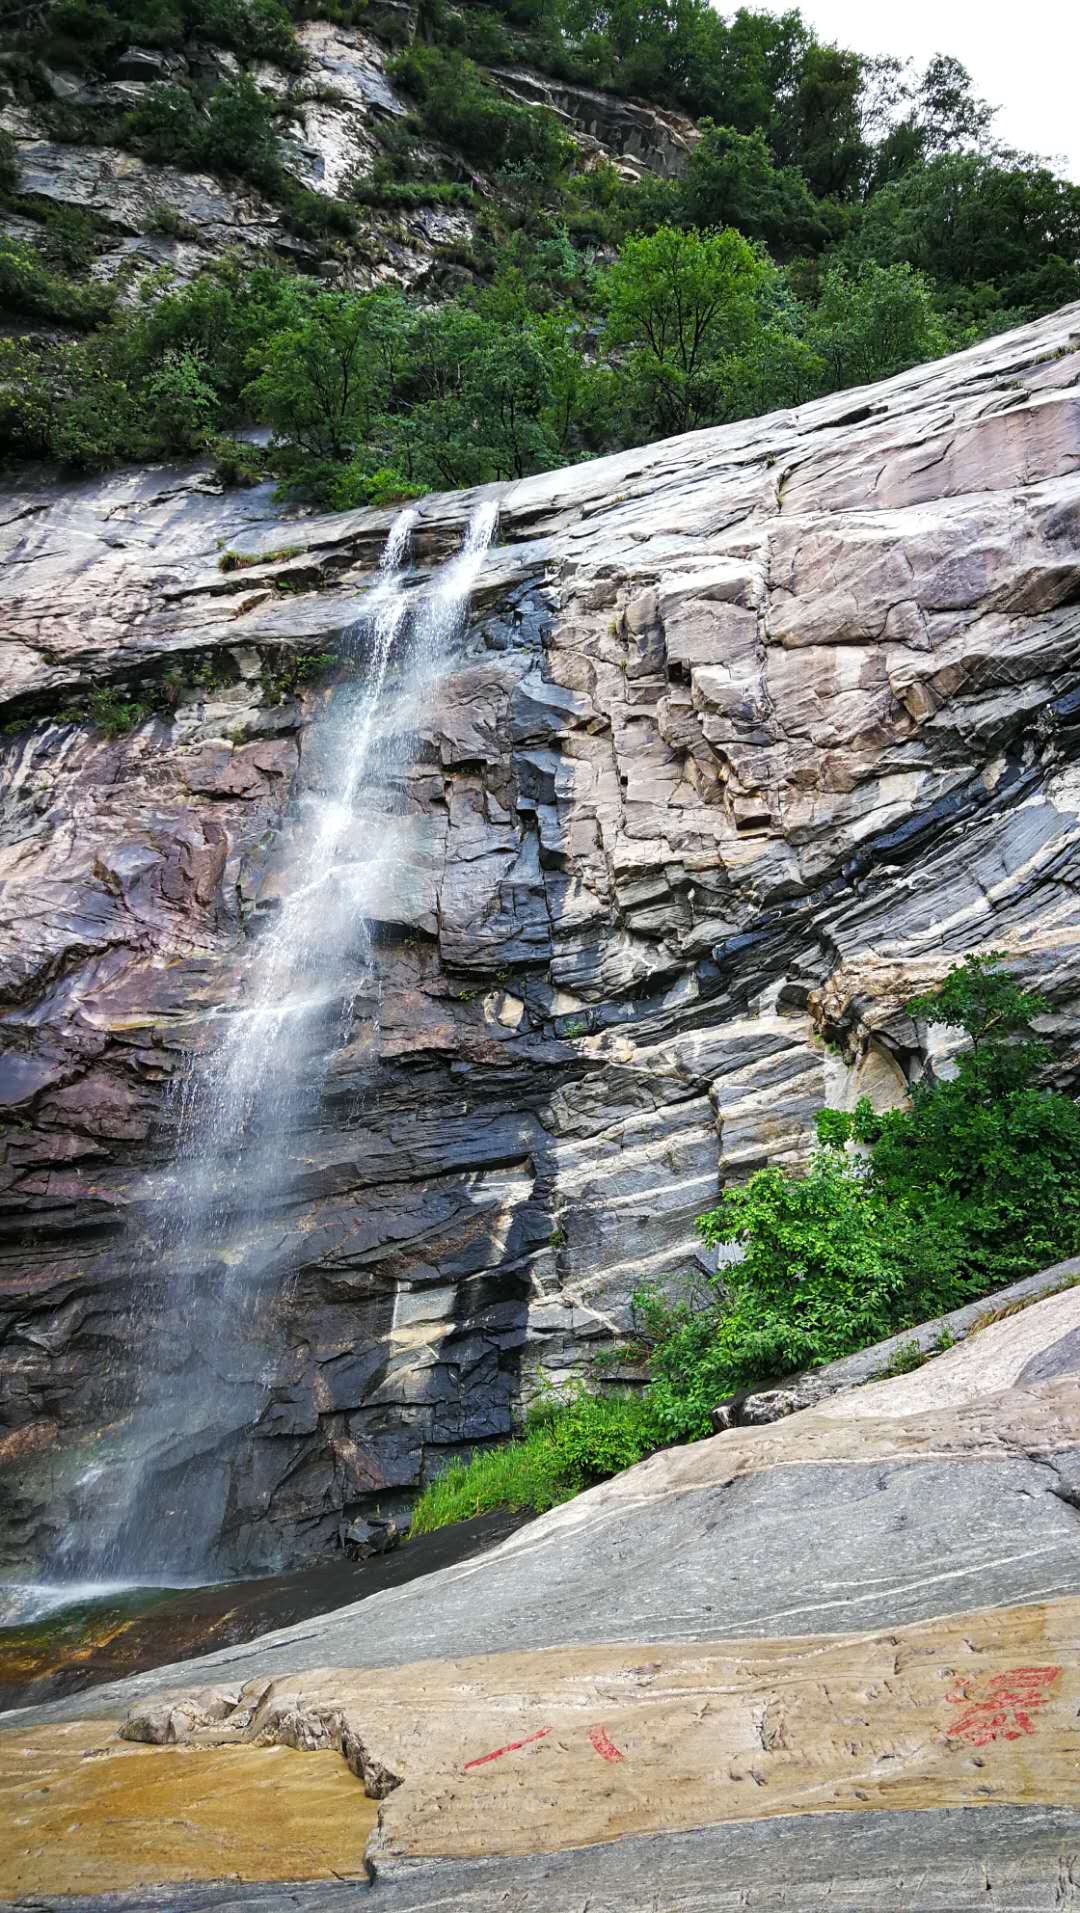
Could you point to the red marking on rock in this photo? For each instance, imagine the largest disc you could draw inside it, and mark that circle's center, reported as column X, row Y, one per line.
column 1000, row 1708
column 510, row 1748
column 606, row 1748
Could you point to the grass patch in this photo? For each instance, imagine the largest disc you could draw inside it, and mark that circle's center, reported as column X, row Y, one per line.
column 566, row 1446
column 240, row 560
column 909, row 1356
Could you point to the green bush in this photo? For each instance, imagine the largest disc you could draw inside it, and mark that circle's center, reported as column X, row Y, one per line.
column 90, row 33
column 459, row 105
column 976, row 1184
column 177, row 403
column 167, row 126
column 9, row 166
column 566, row 1447
column 27, row 284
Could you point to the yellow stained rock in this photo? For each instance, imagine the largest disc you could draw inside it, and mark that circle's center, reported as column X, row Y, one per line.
column 83, row 1812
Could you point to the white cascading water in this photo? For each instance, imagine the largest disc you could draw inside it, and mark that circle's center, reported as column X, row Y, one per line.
column 154, row 1507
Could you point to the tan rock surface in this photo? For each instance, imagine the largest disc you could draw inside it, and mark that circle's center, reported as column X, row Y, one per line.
column 81, row 1812
column 528, row 1753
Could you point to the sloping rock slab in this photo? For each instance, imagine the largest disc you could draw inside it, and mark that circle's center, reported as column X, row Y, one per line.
column 834, row 1662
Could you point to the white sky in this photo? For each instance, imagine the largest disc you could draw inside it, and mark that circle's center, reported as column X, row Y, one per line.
column 1023, row 55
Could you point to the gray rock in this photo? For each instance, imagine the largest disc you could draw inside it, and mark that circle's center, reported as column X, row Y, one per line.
column 751, row 737
column 819, row 1598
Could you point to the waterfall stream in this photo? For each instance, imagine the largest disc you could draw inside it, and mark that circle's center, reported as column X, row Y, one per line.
column 154, row 1508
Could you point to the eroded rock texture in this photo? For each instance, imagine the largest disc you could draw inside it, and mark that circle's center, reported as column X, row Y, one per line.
column 753, row 733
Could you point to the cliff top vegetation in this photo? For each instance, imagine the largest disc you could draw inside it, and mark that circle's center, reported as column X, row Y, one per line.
column 839, row 218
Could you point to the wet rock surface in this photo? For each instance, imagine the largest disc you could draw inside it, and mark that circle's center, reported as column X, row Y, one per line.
column 834, row 1662
column 123, row 1633
column 753, row 733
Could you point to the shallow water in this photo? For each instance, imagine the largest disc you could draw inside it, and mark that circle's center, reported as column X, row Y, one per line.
column 92, row 1633
column 24, row 1602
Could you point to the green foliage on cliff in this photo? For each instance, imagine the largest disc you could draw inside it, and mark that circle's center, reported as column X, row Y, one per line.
column 976, row 1183
column 371, row 398
column 838, row 219
column 565, row 1448
column 460, row 105
column 89, row 34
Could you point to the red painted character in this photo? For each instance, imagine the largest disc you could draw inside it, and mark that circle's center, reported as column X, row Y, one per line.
column 1003, row 1708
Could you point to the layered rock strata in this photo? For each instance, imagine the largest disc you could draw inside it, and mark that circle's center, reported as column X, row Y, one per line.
column 754, row 732
column 834, row 1662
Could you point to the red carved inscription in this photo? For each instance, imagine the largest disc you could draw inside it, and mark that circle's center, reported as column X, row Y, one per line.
column 606, row 1748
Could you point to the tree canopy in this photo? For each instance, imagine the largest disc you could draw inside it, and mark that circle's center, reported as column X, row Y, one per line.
column 837, row 218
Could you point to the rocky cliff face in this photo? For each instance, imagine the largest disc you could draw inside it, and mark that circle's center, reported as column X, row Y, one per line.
column 152, row 217
column 752, row 732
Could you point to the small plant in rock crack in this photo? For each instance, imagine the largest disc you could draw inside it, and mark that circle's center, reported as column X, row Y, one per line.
column 109, row 709
column 291, row 672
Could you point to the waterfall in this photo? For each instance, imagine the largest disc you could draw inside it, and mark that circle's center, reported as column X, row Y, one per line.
column 160, row 1501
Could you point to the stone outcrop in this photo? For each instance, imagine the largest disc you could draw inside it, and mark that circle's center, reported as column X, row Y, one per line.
column 637, row 138
column 754, row 732
column 834, row 1662
column 154, row 217
column 752, row 1408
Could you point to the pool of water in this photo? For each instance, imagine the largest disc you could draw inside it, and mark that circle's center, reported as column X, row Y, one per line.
column 58, row 1638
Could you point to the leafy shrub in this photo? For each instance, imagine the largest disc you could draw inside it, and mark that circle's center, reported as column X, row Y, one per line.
column 234, row 135
column 28, row 285
column 459, row 105
column 178, row 404
column 566, row 1446
column 167, row 126
column 89, row 33
column 290, row 671
column 377, row 190
column 239, row 136
column 109, row 709
column 975, row 1184
column 9, row 168
column 171, row 224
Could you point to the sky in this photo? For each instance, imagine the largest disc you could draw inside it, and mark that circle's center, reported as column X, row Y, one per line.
column 1024, row 58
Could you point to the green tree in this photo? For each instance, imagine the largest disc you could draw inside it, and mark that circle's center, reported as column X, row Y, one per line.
column 240, row 135
column 970, row 221
column 731, row 180
column 827, row 123
column 874, row 322
column 973, row 1184
column 941, row 115
column 681, row 307
column 329, row 371
column 988, row 1156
